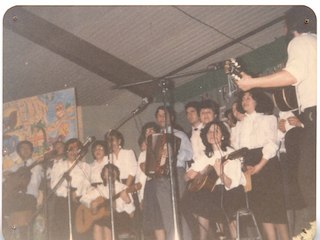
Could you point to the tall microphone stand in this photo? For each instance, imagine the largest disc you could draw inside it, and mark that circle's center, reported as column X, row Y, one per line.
column 111, row 186
column 81, row 153
column 110, row 154
column 173, row 184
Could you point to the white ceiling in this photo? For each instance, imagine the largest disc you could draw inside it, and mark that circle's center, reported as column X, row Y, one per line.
column 108, row 45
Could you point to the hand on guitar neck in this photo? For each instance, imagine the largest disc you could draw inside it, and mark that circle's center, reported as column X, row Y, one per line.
column 242, row 80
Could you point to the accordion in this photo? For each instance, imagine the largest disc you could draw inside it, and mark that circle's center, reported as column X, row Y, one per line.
column 157, row 160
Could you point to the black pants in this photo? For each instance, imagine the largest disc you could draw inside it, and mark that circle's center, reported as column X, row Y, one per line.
column 307, row 165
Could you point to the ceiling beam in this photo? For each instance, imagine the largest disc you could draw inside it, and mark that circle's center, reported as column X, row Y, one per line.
column 77, row 50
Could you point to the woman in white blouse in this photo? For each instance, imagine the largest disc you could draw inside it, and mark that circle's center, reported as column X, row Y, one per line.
column 258, row 132
column 228, row 194
column 124, row 159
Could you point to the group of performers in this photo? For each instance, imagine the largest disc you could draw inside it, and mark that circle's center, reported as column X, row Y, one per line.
column 142, row 190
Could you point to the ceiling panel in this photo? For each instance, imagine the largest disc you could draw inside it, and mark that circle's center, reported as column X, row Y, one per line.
column 155, row 39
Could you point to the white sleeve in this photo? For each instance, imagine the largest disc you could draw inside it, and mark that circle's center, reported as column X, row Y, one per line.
column 232, row 169
column 269, row 127
column 132, row 161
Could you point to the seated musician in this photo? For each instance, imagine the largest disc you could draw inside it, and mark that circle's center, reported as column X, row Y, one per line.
column 21, row 186
column 229, row 183
column 98, row 197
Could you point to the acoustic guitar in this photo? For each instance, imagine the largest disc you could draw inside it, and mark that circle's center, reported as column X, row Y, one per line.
column 85, row 217
column 207, row 178
column 19, row 180
column 285, row 98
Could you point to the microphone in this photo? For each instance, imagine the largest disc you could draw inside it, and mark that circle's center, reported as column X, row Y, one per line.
column 143, row 104
column 86, row 144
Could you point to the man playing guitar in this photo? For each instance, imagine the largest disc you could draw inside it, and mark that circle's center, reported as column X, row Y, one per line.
column 300, row 71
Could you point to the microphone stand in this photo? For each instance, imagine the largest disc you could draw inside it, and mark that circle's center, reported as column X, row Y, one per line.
column 110, row 154
column 111, row 186
column 173, row 184
column 81, row 153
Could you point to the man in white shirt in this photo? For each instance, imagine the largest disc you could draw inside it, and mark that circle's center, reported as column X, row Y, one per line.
column 300, row 71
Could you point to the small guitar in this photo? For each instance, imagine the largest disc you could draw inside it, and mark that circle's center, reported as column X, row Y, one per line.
column 85, row 217
column 285, row 98
column 208, row 177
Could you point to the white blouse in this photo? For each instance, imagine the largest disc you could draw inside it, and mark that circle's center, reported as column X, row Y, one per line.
column 80, row 177
column 126, row 162
column 103, row 191
column 141, row 177
column 96, row 168
column 257, row 130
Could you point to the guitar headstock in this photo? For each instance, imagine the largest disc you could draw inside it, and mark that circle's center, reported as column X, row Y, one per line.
column 233, row 69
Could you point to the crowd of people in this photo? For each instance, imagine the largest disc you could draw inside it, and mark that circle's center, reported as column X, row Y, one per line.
column 269, row 176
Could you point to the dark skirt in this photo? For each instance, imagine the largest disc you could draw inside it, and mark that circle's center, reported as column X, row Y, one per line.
column 198, row 203
column 266, row 199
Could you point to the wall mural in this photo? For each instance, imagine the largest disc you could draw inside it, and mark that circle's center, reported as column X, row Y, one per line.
column 41, row 120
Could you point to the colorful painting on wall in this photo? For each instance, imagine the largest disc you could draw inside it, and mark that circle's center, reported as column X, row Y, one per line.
column 41, row 120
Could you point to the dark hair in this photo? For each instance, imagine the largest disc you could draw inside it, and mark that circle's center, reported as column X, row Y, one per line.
column 193, row 104
column 169, row 110
column 225, row 141
column 24, row 142
column 71, row 141
column 115, row 170
column 98, row 143
column 211, row 104
column 301, row 19
column 233, row 118
column 116, row 134
column 264, row 104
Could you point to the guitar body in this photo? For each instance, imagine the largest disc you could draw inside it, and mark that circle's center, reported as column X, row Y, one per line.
column 85, row 217
column 285, row 98
column 208, row 177
column 203, row 181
